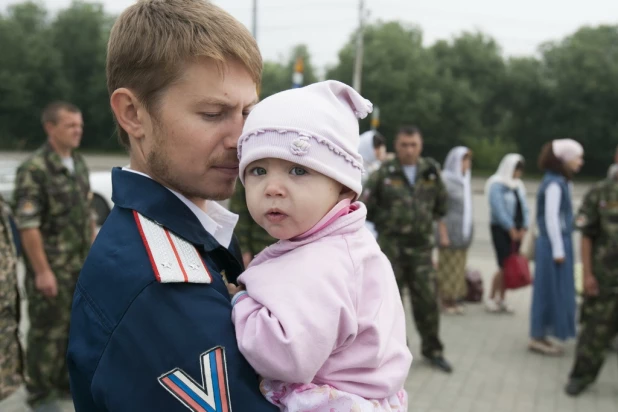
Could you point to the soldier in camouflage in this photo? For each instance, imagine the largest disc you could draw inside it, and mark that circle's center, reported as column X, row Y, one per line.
column 55, row 219
column 10, row 348
column 404, row 197
column 251, row 237
column 597, row 220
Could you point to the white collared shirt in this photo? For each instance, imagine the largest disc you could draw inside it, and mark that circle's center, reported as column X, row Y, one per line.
column 217, row 220
column 69, row 163
column 410, row 172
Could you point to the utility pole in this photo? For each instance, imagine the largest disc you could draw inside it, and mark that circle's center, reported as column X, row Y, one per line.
column 254, row 30
column 358, row 63
column 254, row 19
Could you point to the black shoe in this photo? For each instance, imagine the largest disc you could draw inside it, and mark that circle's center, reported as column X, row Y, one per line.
column 575, row 387
column 439, row 362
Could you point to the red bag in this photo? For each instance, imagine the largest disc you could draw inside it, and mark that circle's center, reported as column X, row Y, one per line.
column 516, row 271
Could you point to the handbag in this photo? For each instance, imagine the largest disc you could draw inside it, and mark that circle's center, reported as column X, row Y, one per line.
column 474, row 282
column 516, row 270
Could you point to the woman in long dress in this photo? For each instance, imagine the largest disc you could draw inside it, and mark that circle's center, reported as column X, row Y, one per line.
column 509, row 221
column 553, row 302
column 452, row 259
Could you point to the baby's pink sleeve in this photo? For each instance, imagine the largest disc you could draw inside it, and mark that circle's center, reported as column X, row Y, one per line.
column 288, row 326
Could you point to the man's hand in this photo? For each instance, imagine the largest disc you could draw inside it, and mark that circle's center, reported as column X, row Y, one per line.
column 443, row 234
column 514, row 234
column 591, row 286
column 46, row 283
column 247, row 257
column 559, row 260
column 233, row 289
column 522, row 234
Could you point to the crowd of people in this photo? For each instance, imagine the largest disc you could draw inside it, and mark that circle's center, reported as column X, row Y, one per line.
column 301, row 311
column 553, row 313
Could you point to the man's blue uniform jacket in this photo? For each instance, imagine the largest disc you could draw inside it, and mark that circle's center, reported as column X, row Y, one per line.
column 142, row 342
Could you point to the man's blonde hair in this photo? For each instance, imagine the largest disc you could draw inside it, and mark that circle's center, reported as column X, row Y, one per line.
column 152, row 41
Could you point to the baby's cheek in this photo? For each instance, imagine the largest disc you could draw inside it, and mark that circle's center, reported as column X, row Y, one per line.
column 311, row 219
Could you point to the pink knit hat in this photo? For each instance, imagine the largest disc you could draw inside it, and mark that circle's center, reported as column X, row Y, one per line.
column 315, row 126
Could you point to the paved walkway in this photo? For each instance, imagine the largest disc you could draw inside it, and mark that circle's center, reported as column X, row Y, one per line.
column 494, row 371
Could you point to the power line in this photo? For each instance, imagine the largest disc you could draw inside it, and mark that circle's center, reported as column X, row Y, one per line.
column 523, row 23
column 293, row 6
column 299, row 27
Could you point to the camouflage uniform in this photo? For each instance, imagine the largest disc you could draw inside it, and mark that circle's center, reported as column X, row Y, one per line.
column 57, row 202
column 598, row 219
column 404, row 216
column 252, row 238
column 10, row 348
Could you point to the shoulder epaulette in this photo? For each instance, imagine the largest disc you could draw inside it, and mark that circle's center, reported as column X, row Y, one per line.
column 173, row 259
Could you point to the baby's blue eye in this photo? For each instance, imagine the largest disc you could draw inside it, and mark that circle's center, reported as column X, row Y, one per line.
column 258, row 171
column 298, row 171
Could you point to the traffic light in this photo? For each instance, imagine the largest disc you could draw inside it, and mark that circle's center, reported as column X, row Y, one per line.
column 297, row 77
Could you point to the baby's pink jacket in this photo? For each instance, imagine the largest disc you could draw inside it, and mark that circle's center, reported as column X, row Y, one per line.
column 326, row 309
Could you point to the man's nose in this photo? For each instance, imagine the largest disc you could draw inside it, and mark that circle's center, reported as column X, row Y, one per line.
column 233, row 131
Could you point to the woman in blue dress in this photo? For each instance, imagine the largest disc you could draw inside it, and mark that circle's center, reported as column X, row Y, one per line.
column 509, row 219
column 553, row 299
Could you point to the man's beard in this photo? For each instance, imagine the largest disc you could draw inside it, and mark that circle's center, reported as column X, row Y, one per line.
column 159, row 168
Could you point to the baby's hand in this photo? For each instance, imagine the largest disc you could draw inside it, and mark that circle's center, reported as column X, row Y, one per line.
column 233, row 289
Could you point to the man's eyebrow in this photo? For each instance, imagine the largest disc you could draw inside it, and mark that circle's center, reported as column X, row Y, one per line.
column 213, row 101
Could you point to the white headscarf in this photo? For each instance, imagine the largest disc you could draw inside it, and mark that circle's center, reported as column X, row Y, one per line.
column 452, row 171
column 367, row 151
column 370, row 163
column 504, row 174
column 365, row 147
column 566, row 149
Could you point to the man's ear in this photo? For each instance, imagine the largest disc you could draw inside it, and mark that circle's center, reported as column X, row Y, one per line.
column 129, row 112
column 48, row 127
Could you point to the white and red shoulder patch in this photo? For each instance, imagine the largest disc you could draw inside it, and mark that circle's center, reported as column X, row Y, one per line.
column 173, row 259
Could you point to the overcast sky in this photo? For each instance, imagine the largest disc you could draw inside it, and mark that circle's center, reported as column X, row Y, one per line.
column 519, row 26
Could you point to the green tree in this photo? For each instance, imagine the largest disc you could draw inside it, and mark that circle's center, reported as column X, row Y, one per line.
column 30, row 74
column 527, row 104
column 472, row 73
column 80, row 35
column 274, row 79
column 583, row 73
column 570, row 92
column 277, row 77
column 459, row 91
column 397, row 76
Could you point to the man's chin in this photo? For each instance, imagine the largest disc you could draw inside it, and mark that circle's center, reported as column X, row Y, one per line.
column 222, row 191
column 219, row 196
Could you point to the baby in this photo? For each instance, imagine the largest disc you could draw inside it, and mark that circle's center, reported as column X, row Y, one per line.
column 321, row 319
